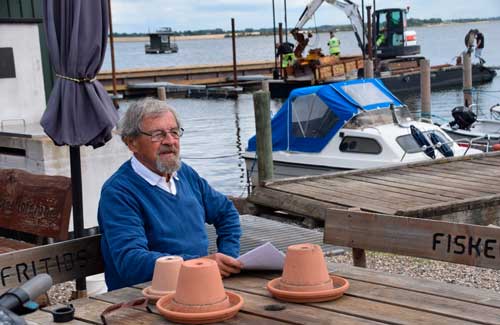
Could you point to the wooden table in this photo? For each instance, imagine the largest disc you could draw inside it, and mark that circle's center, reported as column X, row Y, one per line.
column 373, row 298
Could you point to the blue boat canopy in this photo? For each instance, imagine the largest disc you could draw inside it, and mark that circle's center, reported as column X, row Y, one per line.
column 311, row 116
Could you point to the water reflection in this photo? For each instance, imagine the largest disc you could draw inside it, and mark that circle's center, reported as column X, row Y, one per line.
column 239, row 147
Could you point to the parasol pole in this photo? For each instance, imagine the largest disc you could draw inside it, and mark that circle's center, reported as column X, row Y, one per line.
column 76, row 190
column 112, row 51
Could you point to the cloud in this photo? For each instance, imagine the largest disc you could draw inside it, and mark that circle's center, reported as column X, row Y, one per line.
column 142, row 16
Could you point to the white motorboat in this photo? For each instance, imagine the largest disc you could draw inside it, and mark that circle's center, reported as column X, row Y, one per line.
column 348, row 125
column 466, row 128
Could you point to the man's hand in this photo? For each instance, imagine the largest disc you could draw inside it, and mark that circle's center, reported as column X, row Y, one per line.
column 227, row 264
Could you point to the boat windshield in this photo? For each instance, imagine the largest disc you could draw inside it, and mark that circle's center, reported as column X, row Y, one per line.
column 409, row 145
column 366, row 94
column 378, row 117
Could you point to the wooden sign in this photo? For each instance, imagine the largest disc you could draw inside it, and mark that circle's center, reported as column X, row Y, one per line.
column 35, row 204
column 63, row 261
column 438, row 240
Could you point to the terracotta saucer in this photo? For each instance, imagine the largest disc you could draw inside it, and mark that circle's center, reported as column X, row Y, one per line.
column 235, row 300
column 340, row 285
column 154, row 295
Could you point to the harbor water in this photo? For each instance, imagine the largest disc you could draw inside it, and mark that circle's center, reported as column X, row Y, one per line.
column 217, row 130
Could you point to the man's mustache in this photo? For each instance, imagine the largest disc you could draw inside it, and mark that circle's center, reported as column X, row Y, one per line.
column 167, row 149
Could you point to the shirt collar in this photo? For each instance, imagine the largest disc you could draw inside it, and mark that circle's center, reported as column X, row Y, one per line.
column 151, row 177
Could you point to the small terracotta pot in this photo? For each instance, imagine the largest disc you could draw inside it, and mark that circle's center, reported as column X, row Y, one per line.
column 165, row 275
column 199, row 288
column 305, row 269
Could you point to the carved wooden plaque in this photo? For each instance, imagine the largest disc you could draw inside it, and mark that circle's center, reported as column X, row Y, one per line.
column 35, row 204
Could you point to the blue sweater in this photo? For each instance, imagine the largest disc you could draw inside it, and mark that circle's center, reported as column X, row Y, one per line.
column 140, row 222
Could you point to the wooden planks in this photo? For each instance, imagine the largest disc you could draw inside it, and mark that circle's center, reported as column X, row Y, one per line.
column 352, row 304
column 257, row 231
column 444, row 241
column 291, row 202
column 63, row 261
column 373, row 298
column 431, row 287
column 428, row 189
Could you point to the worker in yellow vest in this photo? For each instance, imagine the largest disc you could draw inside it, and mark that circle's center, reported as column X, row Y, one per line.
column 287, row 60
column 286, row 51
column 381, row 38
column 334, row 45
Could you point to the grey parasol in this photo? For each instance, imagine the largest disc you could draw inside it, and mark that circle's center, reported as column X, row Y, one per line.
column 79, row 110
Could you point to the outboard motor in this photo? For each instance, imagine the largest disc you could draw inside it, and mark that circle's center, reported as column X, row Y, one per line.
column 463, row 118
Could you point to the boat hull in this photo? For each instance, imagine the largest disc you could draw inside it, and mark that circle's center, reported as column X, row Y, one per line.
column 482, row 135
column 446, row 77
column 286, row 169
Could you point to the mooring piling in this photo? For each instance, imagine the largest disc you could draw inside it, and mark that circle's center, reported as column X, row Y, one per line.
column 425, row 90
column 261, row 101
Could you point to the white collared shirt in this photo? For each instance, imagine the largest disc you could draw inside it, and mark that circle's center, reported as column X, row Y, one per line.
column 153, row 178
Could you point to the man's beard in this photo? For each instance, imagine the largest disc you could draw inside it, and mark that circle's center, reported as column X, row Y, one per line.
column 171, row 165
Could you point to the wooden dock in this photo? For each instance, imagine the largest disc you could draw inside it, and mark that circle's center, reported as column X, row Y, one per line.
column 189, row 91
column 459, row 189
column 257, row 231
column 209, row 75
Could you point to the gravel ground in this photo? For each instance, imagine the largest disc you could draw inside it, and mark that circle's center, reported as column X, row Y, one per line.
column 61, row 293
column 428, row 269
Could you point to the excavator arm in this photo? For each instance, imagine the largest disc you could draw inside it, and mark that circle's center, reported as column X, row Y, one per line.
column 348, row 7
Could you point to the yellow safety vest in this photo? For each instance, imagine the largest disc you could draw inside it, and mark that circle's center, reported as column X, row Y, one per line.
column 334, row 45
column 380, row 39
column 287, row 60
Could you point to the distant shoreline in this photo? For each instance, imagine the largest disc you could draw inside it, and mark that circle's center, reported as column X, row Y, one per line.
column 145, row 39
column 176, row 38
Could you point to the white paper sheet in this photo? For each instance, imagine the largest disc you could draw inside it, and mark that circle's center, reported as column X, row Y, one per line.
column 264, row 257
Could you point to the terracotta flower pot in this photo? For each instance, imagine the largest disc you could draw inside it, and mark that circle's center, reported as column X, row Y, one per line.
column 200, row 287
column 200, row 296
column 305, row 269
column 305, row 277
column 165, row 275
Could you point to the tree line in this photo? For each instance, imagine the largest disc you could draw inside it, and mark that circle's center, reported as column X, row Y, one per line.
column 323, row 28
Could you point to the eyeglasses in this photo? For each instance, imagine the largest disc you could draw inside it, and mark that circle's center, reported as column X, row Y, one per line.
column 138, row 303
column 160, row 135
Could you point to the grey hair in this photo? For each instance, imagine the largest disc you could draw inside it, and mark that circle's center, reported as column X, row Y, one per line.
column 130, row 123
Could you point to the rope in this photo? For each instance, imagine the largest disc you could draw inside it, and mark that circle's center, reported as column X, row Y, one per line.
column 77, row 80
column 486, row 91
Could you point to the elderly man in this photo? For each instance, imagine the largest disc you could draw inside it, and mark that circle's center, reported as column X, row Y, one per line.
column 155, row 205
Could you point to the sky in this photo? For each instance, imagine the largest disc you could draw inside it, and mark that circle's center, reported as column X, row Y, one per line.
column 131, row 16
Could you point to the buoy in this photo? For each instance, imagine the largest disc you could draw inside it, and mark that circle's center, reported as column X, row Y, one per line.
column 496, row 147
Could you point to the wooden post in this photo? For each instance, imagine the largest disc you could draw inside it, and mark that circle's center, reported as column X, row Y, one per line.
column 358, row 254
column 368, row 68
column 265, row 85
column 264, row 151
column 280, row 41
column 162, row 93
column 358, row 257
column 369, row 32
column 467, row 79
column 233, row 36
column 425, row 90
